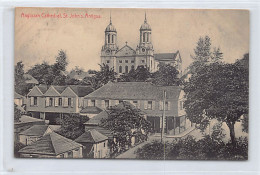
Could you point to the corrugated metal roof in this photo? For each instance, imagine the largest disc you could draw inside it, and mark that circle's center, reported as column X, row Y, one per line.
column 35, row 130
column 91, row 136
column 166, row 56
column 52, row 143
column 134, row 91
column 91, row 110
column 81, row 91
column 97, row 118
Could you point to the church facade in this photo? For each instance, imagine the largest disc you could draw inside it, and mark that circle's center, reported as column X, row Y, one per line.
column 126, row 58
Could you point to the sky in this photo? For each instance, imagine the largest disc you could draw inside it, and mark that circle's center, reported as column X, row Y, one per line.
column 39, row 38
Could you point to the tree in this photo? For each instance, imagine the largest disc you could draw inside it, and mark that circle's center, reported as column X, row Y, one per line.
column 72, row 125
column 17, row 114
column 202, row 52
column 103, row 76
column 20, row 85
column 61, row 62
column 141, row 74
column 42, row 73
column 219, row 91
column 167, row 75
column 217, row 55
column 125, row 121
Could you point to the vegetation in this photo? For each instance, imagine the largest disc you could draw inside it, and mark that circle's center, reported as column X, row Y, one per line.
column 188, row 148
column 141, row 74
column 126, row 121
column 72, row 125
column 219, row 89
column 17, row 114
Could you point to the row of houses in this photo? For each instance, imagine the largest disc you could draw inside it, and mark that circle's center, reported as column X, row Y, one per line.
column 50, row 103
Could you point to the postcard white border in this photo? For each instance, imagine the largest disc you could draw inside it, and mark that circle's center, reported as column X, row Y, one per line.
column 10, row 165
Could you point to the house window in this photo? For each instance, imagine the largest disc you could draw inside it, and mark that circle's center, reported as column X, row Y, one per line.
column 51, row 102
column 135, row 103
column 93, row 103
column 132, row 61
column 142, row 61
column 60, row 101
column 120, row 61
column 120, row 69
column 108, row 61
column 150, row 105
column 126, row 69
column 35, row 101
column 69, row 101
column 70, row 154
column 120, row 101
column 104, row 144
column 132, row 67
column 166, row 106
column 106, row 103
column 126, row 61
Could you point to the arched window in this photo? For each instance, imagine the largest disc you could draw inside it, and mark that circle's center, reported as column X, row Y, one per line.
column 147, row 37
column 113, row 38
column 126, row 69
column 120, row 69
column 143, row 37
column 132, row 67
column 108, row 38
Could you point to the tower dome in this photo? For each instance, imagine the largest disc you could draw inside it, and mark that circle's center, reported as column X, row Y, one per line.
column 110, row 27
column 145, row 25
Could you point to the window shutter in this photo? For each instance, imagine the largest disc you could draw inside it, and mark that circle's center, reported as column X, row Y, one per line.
column 169, row 105
column 66, row 102
column 103, row 103
column 145, row 104
column 72, row 102
column 153, row 105
column 161, row 105
column 63, row 101
column 31, row 101
column 56, row 101
column 89, row 103
column 47, row 101
column 138, row 104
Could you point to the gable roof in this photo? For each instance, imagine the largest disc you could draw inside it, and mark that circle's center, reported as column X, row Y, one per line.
column 17, row 96
column 134, row 91
column 96, row 120
column 51, row 144
column 125, row 51
column 91, row 136
column 35, row 130
column 166, row 56
column 52, row 92
column 37, row 91
column 30, row 79
column 81, row 91
column 91, row 110
column 100, row 129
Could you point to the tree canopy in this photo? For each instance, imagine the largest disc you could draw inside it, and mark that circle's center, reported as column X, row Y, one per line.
column 72, row 125
column 125, row 121
column 218, row 90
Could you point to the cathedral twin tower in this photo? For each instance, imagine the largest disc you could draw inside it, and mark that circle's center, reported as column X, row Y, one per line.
column 126, row 58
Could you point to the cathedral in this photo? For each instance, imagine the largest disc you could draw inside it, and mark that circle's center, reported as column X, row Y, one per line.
column 126, row 58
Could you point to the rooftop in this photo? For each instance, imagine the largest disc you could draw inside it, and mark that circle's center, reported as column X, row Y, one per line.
column 134, row 91
column 166, row 56
column 91, row 136
column 51, row 144
column 35, row 130
column 91, row 110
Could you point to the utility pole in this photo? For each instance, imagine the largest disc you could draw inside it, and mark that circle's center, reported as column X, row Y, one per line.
column 163, row 117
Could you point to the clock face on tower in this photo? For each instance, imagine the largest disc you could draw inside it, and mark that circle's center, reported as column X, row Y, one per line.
column 143, row 49
column 108, row 51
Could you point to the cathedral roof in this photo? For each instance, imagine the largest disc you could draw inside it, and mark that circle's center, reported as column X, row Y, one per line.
column 166, row 56
column 125, row 51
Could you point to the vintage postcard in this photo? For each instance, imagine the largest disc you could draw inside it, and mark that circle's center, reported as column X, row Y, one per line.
column 150, row 84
